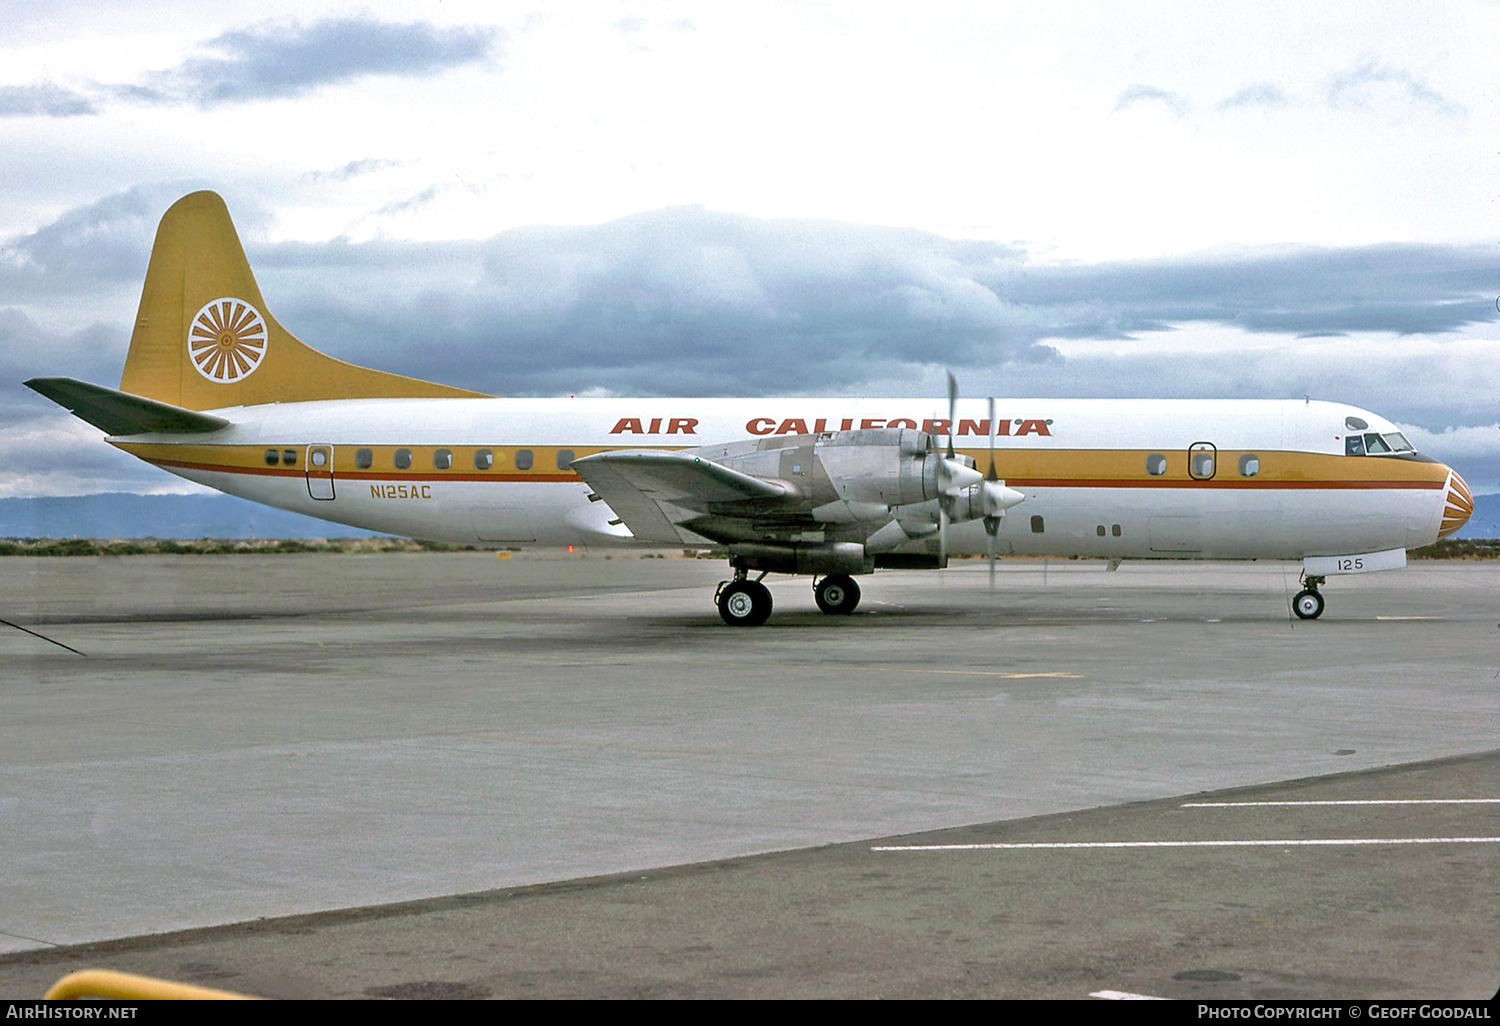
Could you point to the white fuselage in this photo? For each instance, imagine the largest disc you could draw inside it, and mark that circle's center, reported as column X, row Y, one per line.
column 1127, row 478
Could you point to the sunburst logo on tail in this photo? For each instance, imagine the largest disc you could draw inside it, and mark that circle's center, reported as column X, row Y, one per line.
column 227, row 340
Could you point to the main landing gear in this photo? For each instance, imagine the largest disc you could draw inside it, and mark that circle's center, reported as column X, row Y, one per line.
column 746, row 603
column 836, row 593
column 1308, row 603
column 743, row 602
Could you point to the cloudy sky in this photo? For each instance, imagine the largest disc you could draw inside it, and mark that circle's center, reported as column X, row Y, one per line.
column 770, row 198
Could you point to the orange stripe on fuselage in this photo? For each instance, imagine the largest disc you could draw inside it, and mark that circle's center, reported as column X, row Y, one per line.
column 1043, row 468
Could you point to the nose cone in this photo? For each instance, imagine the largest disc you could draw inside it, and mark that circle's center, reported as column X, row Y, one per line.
column 1460, row 505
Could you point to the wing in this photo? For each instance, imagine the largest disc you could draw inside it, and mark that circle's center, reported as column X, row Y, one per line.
column 677, row 497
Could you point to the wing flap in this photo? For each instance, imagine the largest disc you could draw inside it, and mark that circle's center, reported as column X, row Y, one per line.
column 657, row 492
column 120, row 413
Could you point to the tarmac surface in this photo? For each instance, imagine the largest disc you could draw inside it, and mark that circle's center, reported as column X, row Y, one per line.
column 250, row 738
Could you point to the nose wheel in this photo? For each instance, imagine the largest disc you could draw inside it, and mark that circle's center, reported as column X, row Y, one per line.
column 1308, row 603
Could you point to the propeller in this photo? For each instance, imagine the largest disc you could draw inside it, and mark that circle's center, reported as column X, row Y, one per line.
column 991, row 522
column 954, row 478
column 994, row 497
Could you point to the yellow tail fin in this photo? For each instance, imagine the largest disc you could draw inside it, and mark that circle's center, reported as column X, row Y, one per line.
column 204, row 340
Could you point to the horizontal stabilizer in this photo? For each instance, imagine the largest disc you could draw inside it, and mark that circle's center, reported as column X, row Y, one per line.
column 120, row 413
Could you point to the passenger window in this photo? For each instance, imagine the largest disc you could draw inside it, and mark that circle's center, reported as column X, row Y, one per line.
column 1249, row 466
column 272, row 458
column 564, row 459
column 484, row 459
column 1201, row 461
column 1038, row 525
column 318, row 458
column 1354, row 445
column 289, row 457
column 364, row 459
column 523, row 459
column 1156, row 464
column 1115, row 530
column 403, row 459
column 1100, row 530
column 443, row 459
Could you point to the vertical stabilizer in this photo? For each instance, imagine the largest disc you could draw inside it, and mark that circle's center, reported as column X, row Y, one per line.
column 204, row 339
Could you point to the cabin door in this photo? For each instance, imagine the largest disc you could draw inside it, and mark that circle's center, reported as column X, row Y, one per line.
column 320, row 471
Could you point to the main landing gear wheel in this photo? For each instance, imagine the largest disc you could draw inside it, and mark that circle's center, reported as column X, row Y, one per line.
column 1308, row 604
column 744, row 603
column 836, row 594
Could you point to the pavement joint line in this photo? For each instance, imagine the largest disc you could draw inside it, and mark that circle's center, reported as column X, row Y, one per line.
column 31, row 940
column 1124, row 995
column 1189, row 844
column 970, row 673
column 1359, row 801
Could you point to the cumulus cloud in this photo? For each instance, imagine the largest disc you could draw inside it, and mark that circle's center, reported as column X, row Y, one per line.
column 1261, row 94
column 88, row 247
column 696, row 302
column 1309, row 291
column 1473, row 451
column 43, row 99
column 352, row 170
column 686, row 301
column 29, row 350
column 1139, row 94
column 278, row 59
column 55, row 453
column 1372, row 85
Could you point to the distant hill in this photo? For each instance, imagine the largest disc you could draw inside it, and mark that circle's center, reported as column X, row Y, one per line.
column 126, row 515
column 1485, row 523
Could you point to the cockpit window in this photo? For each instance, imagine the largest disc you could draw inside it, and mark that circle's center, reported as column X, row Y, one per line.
column 1377, row 444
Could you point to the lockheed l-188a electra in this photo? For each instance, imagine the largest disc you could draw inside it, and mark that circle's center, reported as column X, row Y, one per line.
column 217, row 391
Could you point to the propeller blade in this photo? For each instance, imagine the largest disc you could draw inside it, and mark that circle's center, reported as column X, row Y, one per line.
column 942, row 535
column 993, row 427
column 952, row 411
column 991, row 522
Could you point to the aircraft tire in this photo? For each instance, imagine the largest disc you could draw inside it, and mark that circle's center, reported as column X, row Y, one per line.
column 837, row 594
column 745, row 604
column 1308, row 605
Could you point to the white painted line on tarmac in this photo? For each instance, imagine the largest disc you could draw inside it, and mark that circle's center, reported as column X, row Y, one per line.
column 969, row 673
column 1189, row 844
column 1361, row 801
column 1124, row 995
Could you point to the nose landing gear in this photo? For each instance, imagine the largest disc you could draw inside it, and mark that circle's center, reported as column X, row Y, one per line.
column 1308, row 603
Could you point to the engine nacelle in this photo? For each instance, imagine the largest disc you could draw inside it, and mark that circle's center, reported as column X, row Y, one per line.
column 867, row 468
column 886, row 467
column 821, row 558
